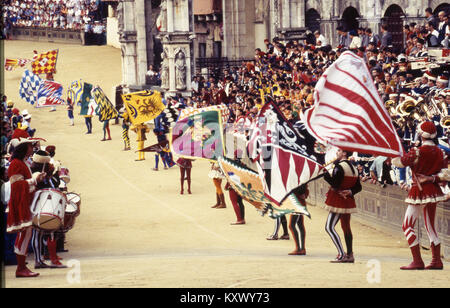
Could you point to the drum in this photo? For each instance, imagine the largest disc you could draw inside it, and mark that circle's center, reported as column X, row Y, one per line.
column 48, row 209
column 64, row 175
column 75, row 198
column 70, row 215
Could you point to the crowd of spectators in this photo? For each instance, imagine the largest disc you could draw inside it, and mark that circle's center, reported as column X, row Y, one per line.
column 288, row 71
column 80, row 15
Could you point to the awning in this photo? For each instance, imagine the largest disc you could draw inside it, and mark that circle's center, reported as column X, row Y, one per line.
column 206, row 7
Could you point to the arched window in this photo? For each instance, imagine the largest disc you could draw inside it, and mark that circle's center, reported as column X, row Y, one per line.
column 393, row 19
column 442, row 7
column 349, row 19
column 312, row 20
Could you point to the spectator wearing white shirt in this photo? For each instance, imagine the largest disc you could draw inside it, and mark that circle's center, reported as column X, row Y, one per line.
column 321, row 40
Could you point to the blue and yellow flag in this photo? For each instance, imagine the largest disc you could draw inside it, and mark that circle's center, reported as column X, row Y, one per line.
column 74, row 92
column 143, row 106
column 105, row 109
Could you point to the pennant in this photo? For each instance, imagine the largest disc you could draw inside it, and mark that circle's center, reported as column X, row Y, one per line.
column 143, row 106
column 11, row 64
column 199, row 136
column 75, row 91
column 29, row 86
column 45, row 63
column 348, row 111
column 49, row 94
column 284, row 158
column 106, row 109
column 86, row 105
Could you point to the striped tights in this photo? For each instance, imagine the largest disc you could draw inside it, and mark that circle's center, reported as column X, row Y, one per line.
column 332, row 220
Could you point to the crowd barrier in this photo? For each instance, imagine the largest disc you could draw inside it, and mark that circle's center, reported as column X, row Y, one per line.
column 384, row 209
column 47, row 35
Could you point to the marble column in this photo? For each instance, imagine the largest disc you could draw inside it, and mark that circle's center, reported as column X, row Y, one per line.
column 177, row 44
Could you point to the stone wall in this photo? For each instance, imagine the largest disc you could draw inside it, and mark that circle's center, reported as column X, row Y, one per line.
column 47, row 35
column 384, row 208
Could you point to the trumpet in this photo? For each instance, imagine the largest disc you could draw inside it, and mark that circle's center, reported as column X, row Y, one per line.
column 390, row 106
column 445, row 121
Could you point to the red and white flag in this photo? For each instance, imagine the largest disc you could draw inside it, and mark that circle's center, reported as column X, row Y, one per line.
column 348, row 112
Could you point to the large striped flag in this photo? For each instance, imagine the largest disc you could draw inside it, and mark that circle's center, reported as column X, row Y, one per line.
column 45, row 63
column 143, row 106
column 348, row 112
column 29, row 85
column 285, row 159
column 49, row 94
column 106, row 109
column 199, row 135
column 224, row 111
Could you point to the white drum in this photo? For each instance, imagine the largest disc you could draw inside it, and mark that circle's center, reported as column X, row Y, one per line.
column 48, row 209
column 70, row 216
column 74, row 197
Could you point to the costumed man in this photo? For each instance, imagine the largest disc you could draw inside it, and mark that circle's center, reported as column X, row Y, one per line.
column 125, row 127
column 41, row 162
column 340, row 202
column 426, row 163
column 19, row 220
column 216, row 175
column 106, row 130
column 185, row 165
column 141, row 130
column 297, row 221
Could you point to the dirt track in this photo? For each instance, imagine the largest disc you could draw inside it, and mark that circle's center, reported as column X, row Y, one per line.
column 136, row 230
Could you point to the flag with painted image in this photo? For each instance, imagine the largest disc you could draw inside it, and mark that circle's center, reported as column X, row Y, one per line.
column 75, row 91
column 86, row 97
column 106, row 109
column 199, row 135
column 29, row 85
column 285, row 159
column 348, row 111
column 143, row 106
column 45, row 63
column 49, row 94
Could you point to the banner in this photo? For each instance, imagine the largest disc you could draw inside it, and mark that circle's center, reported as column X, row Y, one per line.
column 86, row 99
column 106, row 110
column 199, row 136
column 49, row 94
column 249, row 186
column 224, row 111
column 284, row 158
column 29, row 85
column 348, row 111
column 45, row 63
column 143, row 106
column 75, row 91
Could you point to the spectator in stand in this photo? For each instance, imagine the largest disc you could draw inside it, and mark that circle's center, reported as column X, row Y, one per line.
column 386, row 37
column 430, row 17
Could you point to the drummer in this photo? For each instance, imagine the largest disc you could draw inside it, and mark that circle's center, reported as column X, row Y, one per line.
column 41, row 162
column 19, row 214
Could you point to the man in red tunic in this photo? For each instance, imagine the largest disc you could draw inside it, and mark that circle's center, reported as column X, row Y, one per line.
column 340, row 202
column 425, row 162
column 19, row 214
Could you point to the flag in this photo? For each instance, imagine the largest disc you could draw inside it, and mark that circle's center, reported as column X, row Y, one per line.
column 199, row 136
column 86, row 105
column 225, row 112
column 348, row 112
column 11, row 64
column 49, row 94
column 106, row 109
column 45, row 63
column 75, row 90
column 171, row 114
column 249, row 186
column 29, row 85
column 284, row 158
column 143, row 106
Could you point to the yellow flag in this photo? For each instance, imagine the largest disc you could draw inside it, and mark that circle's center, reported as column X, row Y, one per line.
column 143, row 106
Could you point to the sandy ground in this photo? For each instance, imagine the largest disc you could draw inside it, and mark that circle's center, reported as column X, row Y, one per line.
column 136, row 230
